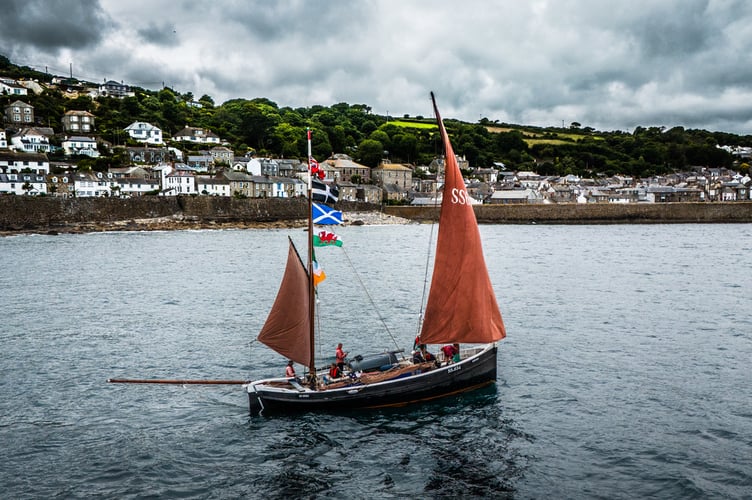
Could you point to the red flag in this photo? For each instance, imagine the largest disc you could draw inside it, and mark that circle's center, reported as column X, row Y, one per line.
column 314, row 168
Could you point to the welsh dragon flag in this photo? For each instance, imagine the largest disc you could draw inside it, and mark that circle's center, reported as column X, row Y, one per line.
column 326, row 239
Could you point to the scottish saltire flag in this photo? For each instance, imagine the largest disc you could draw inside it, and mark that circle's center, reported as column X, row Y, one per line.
column 325, row 215
column 318, row 273
column 323, row 193
column 326, row 238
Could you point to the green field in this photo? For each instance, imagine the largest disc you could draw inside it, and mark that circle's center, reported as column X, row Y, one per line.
column 423, row 125
column 554, row 138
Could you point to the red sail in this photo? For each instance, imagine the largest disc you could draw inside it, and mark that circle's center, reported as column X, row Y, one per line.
column 287, row 329
column 461, row 304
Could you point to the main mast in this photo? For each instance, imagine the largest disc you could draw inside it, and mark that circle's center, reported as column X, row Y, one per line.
column 311, row 289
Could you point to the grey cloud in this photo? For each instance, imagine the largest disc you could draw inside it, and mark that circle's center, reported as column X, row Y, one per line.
column 51, row 26
column 165, row 34
column 611, row 65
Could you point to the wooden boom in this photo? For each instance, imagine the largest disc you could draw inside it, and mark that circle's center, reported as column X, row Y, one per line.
column 177, row 382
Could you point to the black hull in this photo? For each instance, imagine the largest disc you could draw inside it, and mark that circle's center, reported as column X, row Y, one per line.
column 472, row 373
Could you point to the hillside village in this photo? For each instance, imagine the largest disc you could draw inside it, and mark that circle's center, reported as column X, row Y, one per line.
column 159, row 166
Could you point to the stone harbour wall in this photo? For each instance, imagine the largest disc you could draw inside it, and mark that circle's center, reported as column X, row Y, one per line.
column 594, row 213
column 50, row 214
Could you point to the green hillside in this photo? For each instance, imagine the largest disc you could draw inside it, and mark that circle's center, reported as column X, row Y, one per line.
column 264, row 127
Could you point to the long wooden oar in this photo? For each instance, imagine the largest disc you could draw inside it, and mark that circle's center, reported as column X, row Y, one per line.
column 177, row 382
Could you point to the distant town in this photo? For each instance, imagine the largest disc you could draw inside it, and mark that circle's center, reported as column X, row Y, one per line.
column 160, row 167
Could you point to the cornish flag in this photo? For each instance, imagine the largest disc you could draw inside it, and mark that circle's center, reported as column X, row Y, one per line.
column 325, row 215
column 323, row 193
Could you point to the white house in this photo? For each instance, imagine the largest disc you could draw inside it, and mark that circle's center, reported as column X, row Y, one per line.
column 213, row 186
column 23, row 183
column 88, row 185
column 30, row 140
column 11, row 161
column 11, row 87
column 112, row 88
column 3, row 140
column 144, row 132
column 197, row 135
column 79, row 145
column 253, row 166
column 137, row 186
column 287, row 187
column 179, row 182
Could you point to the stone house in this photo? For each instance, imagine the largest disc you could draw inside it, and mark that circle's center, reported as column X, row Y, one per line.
column 369, row 193
column 61, row 185
column 19, row 114
column 78, row 122
column 241, row 183
column 261, row 187
column 347, row 191
column 344, row 169
column 393, row 173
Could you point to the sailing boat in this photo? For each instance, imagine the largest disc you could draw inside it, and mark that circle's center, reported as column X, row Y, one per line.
column 461, row 309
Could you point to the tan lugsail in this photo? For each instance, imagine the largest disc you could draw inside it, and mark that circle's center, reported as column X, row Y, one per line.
column 287, row 329
column 461, row 303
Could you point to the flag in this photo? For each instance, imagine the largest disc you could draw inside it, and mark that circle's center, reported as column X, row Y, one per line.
column 325, row 215
column 326, row 239
column 314, row 168
column 318, row 274
column 323, row 193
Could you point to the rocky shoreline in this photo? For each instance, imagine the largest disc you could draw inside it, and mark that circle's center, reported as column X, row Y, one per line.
column 31, row 215
column 180, row 222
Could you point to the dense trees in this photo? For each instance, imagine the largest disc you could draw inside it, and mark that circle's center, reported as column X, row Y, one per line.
column 261, row 126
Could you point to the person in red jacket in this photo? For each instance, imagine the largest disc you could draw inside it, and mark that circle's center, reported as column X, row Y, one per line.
column 340, row 356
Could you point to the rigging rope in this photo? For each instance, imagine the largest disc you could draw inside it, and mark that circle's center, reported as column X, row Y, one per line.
column 368, row 294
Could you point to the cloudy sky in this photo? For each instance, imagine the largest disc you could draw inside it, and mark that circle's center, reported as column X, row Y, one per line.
column 611, row 65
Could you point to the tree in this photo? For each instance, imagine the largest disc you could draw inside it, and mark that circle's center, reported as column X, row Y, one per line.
column 370, row 152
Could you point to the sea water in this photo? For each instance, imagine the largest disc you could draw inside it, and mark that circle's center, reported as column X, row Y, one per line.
column 625, row 372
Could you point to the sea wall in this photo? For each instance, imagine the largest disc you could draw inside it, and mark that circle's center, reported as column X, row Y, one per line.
column 39, row 214
column 35, row 214
column 594, row 213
